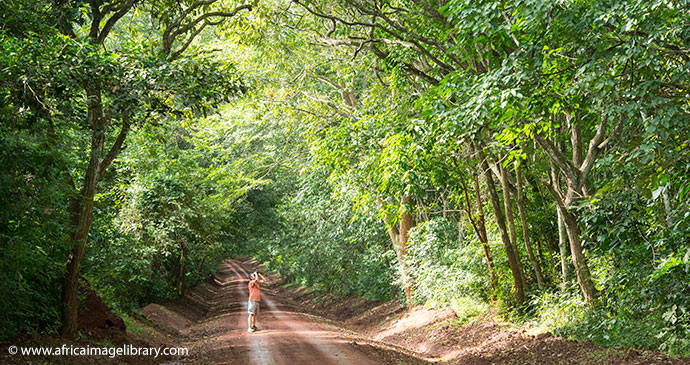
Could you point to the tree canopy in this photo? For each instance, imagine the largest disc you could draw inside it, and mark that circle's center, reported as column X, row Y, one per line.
column 534, row 152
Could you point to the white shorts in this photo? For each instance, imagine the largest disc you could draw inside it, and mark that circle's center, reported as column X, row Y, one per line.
column 253, row 307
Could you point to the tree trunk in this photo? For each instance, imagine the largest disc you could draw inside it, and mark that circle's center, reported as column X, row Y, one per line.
column 525, row 232
column 81, row 206
column 399, row 239
column 562, row 234
column 83, row 216
column 479, row 225
column 584, row 278
column 182, row 271
column 510, row 220
column 405, row 225
column 71, row 279
column 576, row 173
column 563, row 247
column 668, row 211
column 513, row 260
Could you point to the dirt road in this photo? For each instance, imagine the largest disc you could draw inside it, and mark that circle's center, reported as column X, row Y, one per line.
column 211, row 322
column 220, row 336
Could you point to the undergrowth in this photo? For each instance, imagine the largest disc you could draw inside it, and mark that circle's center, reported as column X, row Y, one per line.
column 639, row 306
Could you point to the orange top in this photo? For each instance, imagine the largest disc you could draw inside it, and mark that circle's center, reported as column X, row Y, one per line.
column 255, row 290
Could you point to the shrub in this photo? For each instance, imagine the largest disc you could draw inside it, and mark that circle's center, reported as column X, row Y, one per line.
column 440, row 269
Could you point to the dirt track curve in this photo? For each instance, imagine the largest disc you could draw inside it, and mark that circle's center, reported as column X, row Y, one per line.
column 219, row 334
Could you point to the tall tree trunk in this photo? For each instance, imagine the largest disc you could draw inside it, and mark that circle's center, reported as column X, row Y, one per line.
column 508, row 210
column 563, row 246
column 182, row 270
column 81, row 206
column 584, row 278
column 525, row 233
column 562, row 234
column 405, row 225
column 399, row 237
column 668, row 211
column 479, row 225
column 71, row 279
column 576, row 174
column 513, row 260
column 82, row 213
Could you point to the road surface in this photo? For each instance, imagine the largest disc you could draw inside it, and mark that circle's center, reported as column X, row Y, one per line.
column 218, row 333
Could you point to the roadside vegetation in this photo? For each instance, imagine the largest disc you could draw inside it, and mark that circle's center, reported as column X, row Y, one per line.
column 531, row 156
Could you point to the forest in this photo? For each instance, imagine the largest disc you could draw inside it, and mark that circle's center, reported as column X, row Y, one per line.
column 529, row 157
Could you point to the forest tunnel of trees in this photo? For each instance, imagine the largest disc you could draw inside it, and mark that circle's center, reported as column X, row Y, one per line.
column 534, row 154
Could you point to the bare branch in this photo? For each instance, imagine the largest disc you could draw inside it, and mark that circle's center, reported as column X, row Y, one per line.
column 558, row 197
column 116, row 148
column 399, row 33
column 176, row 24
column 179, row 52
column 593, row 151
column 396, row 31
column 121, row 11
column 558, row 158
column 176, row 29
column 406, row 66
column 334, row 18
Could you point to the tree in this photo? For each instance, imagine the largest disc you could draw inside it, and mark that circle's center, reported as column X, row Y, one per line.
column 478, row 224
column 519, row 282
column 113, row 95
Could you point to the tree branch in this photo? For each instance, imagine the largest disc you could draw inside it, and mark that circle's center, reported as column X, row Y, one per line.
column 558, row 158
column 558, row 197
column 401, row 31
column 186, row 45
column 593, row 151
column 116, row 148
column 406, row 66
column 575, row 138
column 176, row 28
column 121, row 11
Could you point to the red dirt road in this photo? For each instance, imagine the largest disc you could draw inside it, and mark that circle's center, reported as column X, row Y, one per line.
column 285, row 337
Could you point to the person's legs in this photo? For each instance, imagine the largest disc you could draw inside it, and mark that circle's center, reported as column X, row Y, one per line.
column 256, row 314
column 252, row 309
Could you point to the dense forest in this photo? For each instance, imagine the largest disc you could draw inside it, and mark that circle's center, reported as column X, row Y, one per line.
column 527, row 155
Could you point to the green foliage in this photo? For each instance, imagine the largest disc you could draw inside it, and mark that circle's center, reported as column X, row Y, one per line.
column 49, row 65
column 300, row 140
column 467, row 308
column 32, row 236
column 127, row 273
column 556, row 311
column 323, row 244
column 641, row 308
column 174, row 208
column 444, row 270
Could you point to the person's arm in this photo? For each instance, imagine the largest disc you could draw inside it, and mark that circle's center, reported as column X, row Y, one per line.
column 263, row 278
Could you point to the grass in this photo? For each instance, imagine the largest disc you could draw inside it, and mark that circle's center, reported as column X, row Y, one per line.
column 133, row 326
column 467, row 309
column 602, row 356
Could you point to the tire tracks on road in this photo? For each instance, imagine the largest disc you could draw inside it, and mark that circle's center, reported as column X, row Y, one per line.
column 295, row 340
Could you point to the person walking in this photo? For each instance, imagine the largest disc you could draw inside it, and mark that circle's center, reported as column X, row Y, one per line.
column 255, row 282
